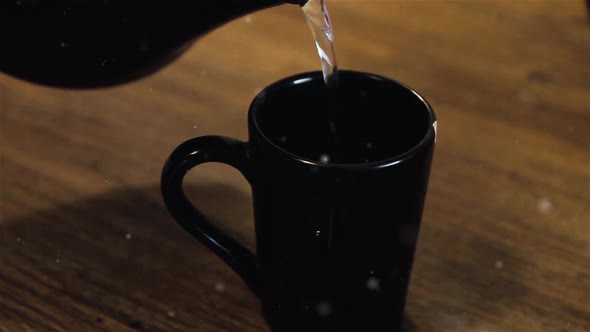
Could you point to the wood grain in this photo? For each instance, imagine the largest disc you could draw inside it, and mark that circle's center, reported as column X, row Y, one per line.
column 86, row 245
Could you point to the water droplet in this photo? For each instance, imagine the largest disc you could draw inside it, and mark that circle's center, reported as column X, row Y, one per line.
column 324, row 309
column 220, row 287
column 248, row 19
column 317, row 233
column 150, row 89
column 499, row 264
column 171, row 314
column 369, row 145
column 18, row 239
column 374, row 284
column 324, row 158
column 544, row 205
column 195, row 126
column 63, row 44
column 128, row 236
column 57, row 261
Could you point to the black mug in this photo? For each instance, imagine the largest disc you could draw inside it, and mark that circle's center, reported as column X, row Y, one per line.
column 339, row 178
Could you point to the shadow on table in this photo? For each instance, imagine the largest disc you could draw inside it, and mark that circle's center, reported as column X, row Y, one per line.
column 119, row 261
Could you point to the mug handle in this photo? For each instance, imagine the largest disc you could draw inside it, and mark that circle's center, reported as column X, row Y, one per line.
column 189, row 154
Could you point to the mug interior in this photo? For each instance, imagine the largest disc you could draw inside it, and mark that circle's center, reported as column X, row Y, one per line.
column 365, row 119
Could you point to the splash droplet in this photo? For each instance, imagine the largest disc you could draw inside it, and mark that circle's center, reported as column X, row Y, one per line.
column 544, row 205
column 324, row 309
column 374, row 284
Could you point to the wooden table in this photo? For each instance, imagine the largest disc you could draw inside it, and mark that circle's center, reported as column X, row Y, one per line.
column 86, row 244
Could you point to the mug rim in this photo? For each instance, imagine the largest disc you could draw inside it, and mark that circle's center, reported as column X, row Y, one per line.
column 308, row 76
